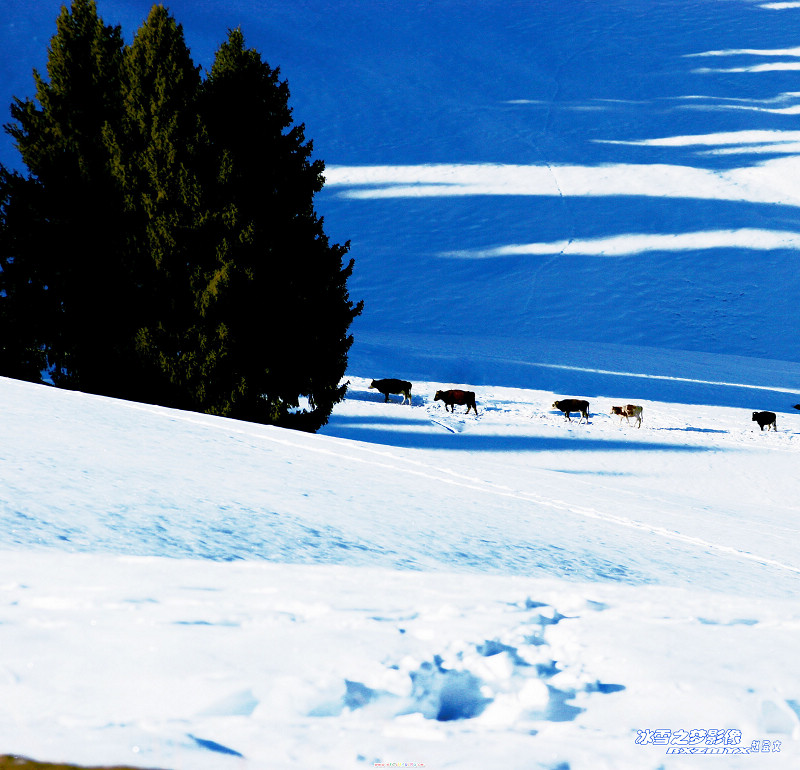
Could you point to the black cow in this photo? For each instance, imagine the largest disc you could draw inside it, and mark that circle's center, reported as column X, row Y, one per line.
column 453, row 397
column 397, row 387
column 766, row 418
column 568, row 405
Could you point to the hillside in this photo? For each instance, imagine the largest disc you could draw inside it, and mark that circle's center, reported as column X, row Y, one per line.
column 184, row 591
column 544, row 200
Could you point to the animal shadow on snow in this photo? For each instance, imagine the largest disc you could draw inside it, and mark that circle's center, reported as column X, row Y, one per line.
column 689, row 429
column 389, row 432
column 370, row 420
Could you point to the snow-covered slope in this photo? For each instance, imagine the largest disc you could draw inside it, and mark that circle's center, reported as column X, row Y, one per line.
column 183, row 591
column 544, row 200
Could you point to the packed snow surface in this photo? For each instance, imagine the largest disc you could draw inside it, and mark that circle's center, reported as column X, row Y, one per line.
column 412, row 585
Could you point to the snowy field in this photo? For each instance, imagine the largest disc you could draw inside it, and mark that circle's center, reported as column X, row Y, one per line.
column 511, row 590
column 544, row 200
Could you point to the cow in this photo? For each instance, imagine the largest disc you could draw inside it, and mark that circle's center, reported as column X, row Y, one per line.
column 453, row 397
column 628, row 411
column 568, row 405
column 766, row 418
column 397, row 387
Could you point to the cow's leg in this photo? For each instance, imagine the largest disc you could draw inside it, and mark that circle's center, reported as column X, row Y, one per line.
column 386, row 398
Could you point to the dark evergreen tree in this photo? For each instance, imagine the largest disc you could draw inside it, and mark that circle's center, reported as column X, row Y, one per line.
column 22, row 352
column 275, row 307
column 165, row 246
column 69, row 264
column 155, row 155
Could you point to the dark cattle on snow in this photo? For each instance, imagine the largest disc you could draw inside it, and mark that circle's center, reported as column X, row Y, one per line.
column 628, row 411
column 460, row 397
column 568, row 405
column 766, row 418
column 398, row 387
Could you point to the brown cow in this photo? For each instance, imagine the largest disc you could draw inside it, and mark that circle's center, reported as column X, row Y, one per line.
column 398, row 387
column 766, row 418
column 460, row 397
column 568, row 405
column 628, row 411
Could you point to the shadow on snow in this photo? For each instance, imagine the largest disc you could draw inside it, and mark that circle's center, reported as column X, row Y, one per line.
column 376, row 431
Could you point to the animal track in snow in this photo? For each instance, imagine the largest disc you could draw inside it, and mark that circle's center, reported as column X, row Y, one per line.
column 510, row 678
